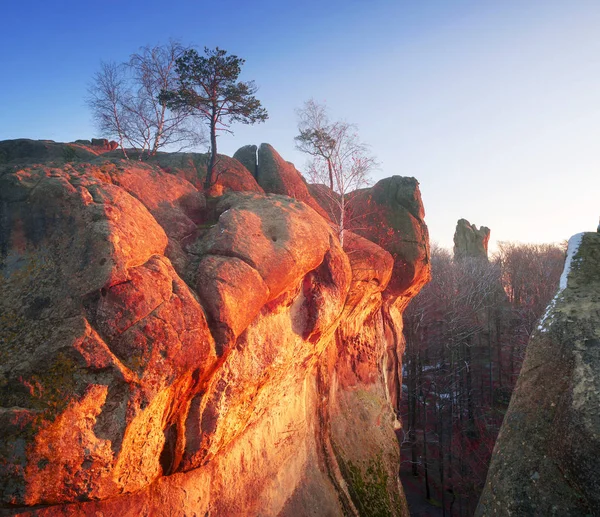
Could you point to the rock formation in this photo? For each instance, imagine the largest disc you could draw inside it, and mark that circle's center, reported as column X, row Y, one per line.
column 391, row 214
column 248, row 158
column 276, row 176
column 469, row 242
column 545, row 461
column 168, row 354
column 231, row 175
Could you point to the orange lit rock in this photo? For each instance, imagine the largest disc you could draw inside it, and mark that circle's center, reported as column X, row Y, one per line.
column 233, row 293
column 257, row 377
column 277, row 176
column 231, row 175
column 279, row 237
column 391, row 214
column 100, row 338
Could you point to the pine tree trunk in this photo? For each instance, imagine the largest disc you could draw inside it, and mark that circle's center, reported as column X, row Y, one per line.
column 208, row 182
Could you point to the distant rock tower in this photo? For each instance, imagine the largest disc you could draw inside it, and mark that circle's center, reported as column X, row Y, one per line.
column 469, row 242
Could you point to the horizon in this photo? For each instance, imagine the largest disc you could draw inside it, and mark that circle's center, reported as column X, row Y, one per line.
column 492, row 108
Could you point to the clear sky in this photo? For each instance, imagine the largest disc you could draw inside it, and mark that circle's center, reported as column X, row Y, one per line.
column 493, row 105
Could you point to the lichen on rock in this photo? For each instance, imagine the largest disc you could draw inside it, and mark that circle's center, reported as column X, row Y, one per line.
column 544, row 461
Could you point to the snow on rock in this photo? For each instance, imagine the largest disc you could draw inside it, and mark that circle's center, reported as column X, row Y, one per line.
column 573, row 247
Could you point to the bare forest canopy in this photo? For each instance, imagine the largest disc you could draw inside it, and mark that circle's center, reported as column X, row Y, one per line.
column 466, row 334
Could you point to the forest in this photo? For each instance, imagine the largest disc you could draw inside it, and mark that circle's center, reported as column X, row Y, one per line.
column 466, row 335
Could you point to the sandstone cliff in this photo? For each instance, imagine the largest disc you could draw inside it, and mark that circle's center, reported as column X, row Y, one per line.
column 470, row 242
column 545, row 461
column 168, row 353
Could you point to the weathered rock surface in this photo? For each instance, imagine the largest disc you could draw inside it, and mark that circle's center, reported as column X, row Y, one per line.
column 277, row 176
column 545, row 461
column 391, row 214
column 470, row 242
column 23, row 151
column 231, row 175
column 161, row 355
column 248, row 158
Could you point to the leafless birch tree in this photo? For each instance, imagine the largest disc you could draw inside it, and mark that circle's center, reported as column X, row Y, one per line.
column 125, row 101
column 338, row 158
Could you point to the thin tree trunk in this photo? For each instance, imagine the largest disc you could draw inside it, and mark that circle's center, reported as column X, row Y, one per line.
column 330, row 173
column 425, row 457
column 469, row 386
column 208, row 182
column 342, row 219
column 159, row 130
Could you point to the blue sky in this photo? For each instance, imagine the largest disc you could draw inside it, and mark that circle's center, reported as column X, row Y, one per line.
column 494, row 106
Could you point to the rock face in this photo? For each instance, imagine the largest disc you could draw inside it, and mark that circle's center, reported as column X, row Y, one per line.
column 248, row 158
column 231, row 175
column 277, row 176
column 165, row 355
column 469, row 242
column 545, row 459
column 23, row 151
column 391, row 214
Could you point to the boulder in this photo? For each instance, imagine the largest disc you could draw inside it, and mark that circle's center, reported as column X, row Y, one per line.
column 23, row 151
column 174, row 202
column 231, row 175
column 545, row 459
column 470, row 242
column 100, row 142
column 248, row 158
column 279, row 237
column 391, row 214
column 276, row 176
column 371, row 271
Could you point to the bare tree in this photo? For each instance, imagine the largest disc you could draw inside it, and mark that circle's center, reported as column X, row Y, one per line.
column 466, row 333
column 107, row 94
column 338, row 158
column 125, row 101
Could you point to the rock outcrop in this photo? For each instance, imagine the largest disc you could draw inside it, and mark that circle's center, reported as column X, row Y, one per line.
column 391, row 214
column 545, row 459
column 470, row 242
column 230, row 175
column 167, row 355
column 276, row 176
column 23, row 150
column 247, row 156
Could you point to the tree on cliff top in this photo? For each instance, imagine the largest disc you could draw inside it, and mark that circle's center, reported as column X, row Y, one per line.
column 125, row 103
column 338, row 158
column 208, row 87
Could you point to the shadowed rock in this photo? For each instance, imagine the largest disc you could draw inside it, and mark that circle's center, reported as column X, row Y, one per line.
column 470, row 242
column 545, row 459
column 23, row 151
column 247, row 157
